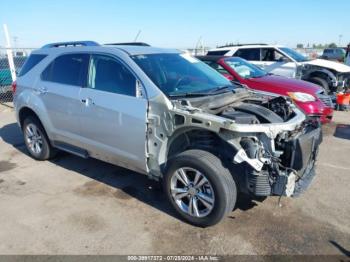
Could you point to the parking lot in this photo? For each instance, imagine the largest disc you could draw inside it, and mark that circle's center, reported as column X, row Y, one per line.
column 76, row 206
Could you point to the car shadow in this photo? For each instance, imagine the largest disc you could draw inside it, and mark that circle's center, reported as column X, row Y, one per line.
column 337, row 130
column 342, row 131
column 130, row 183
column 340, row 248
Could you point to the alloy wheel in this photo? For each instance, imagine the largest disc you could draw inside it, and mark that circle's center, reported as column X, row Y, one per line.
column 34, row 139
column 192, row 192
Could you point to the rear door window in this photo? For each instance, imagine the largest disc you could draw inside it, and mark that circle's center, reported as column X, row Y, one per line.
column 32, row 61
column 68, row 69
column 250, row 54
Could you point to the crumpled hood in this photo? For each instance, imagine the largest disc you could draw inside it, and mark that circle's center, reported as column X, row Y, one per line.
column 329, row 64
column 213, row 102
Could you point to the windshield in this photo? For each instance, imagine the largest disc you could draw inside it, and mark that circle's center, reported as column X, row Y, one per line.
column 245, row 69
column 179, row 74
column 294, row 54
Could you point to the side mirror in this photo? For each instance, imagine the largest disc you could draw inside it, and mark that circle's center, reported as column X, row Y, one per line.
column 139, row 89
column 284, row 59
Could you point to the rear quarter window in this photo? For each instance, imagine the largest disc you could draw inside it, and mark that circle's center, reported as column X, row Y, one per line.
column 32, row 61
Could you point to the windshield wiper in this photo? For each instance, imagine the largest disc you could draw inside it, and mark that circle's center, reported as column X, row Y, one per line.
column 221, row 88
column 239, row 84
column 188, row 95
column 209, row 92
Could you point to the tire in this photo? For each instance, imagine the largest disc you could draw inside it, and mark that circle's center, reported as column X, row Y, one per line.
column 321, row 82
column 34, row 134
column 220, row 187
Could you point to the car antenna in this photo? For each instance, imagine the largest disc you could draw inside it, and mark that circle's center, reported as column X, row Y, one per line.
column 137, row 35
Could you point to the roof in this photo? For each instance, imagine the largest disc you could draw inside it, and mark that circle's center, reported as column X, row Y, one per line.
column 234, row 45
column 211, row 57
column 133, row 48
column 143, row 50
column 130, row 43
column 216, row 58
column 244, row 46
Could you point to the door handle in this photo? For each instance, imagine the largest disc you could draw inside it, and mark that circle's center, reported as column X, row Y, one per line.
column 87, row 101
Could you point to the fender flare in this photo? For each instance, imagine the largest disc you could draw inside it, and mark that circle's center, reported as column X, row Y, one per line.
column 323, row 71
column 32, row 102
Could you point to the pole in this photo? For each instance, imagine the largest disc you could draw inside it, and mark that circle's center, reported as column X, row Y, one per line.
column 9, row 53
column 197, row 45
column 137, row 36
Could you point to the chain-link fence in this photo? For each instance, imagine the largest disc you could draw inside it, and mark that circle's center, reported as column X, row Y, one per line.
column 19, row 57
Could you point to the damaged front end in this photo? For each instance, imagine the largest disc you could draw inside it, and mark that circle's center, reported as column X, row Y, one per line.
column 337, row 81
column 279, row 161
column 268, row 144
column 288, row 163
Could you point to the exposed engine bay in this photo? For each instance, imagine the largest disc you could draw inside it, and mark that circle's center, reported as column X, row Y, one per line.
column 247, row 108
column 267, row 142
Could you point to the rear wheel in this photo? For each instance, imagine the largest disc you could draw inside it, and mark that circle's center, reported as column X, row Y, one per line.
column 321, row 82
column 199, row 187
column 36, row 139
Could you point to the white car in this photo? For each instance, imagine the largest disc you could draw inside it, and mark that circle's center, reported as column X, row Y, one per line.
column 284, row 61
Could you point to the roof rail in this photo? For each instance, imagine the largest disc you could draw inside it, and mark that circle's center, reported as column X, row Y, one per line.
column 130, row 43
column 231, row 45
column 70, row 44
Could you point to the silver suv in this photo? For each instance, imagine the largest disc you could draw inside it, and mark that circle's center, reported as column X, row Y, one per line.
column 167, row 115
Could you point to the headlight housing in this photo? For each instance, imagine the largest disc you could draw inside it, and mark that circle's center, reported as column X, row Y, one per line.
column 301, row 97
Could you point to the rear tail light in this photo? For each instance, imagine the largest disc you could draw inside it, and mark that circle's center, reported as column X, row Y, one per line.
column 14, row 86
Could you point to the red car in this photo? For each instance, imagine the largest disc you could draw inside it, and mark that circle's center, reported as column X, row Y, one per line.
column 307, row 96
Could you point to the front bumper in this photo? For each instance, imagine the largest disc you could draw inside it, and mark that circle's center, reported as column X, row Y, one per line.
column 307, row 155
column 319, row 109
column 303, row 183
column 327, row 115
column 294, row 173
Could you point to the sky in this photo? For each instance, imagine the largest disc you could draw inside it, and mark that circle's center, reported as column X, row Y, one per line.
column 176, row 23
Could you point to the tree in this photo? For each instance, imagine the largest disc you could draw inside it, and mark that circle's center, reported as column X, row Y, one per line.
column 300, row 46
column 332, row 45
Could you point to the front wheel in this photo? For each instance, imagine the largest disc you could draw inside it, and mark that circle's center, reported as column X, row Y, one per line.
column 321, row 82
column 199, row 187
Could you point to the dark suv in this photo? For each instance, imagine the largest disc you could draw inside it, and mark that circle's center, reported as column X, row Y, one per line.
column 335, row 54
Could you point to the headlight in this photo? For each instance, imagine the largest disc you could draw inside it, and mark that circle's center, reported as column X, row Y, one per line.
column 301, row 97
